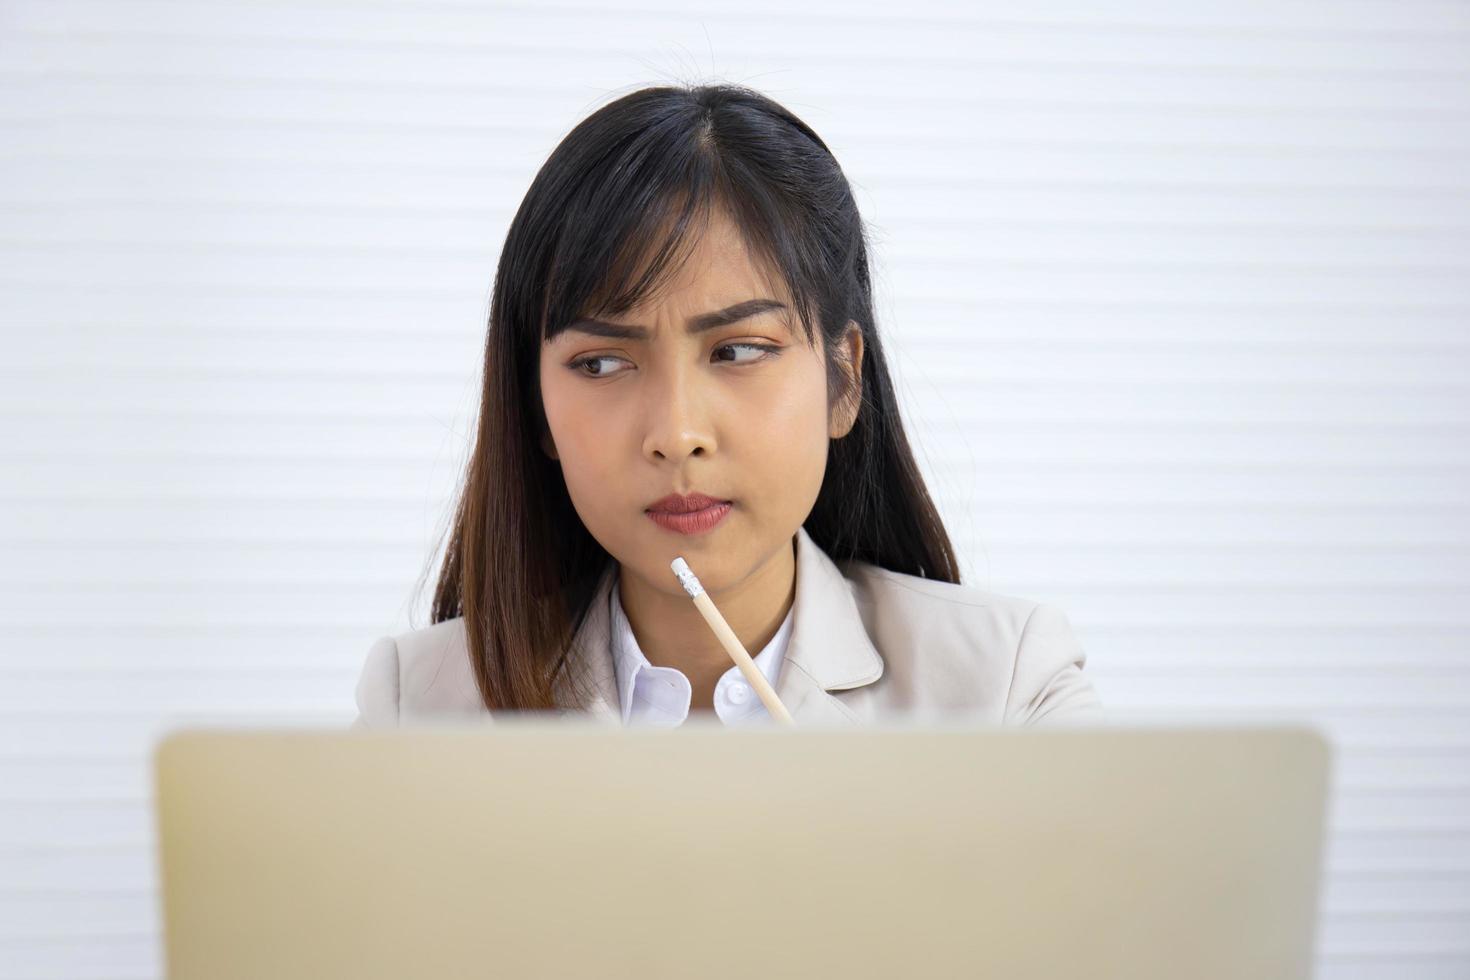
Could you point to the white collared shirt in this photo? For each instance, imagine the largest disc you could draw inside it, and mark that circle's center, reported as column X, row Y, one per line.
column 660, row 696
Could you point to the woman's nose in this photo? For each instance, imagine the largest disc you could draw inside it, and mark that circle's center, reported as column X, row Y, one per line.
column 677, row 414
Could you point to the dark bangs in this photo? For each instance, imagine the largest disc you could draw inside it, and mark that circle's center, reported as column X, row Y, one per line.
column 630, row 214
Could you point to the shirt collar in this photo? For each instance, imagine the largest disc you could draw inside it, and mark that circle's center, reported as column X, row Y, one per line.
column 629, row 660
column 829, row 649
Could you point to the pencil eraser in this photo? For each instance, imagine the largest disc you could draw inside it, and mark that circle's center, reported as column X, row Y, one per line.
column 687, row 578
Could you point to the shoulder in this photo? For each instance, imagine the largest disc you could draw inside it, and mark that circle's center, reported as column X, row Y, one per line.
column 927, row 604
column 414, row 670
column 1016, row 654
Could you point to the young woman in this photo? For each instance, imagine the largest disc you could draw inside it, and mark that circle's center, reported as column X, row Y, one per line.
column 682, row 360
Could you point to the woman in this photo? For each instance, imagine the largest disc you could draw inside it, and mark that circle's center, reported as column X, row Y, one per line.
column 682, row 360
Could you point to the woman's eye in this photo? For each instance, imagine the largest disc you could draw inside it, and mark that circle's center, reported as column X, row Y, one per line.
column 581, row 363
column 765, row 350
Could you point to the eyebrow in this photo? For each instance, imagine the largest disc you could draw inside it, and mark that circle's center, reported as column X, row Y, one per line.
column 694, row 325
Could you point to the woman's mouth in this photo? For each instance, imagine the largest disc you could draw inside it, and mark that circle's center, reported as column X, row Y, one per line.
column 692, row 522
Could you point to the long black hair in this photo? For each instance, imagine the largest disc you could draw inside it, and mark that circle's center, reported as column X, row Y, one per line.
column 602, row 227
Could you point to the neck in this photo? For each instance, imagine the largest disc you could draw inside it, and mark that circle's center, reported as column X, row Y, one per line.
column 671, row 632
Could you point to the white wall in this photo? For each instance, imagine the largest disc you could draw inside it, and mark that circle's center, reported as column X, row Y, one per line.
column 1177, row 294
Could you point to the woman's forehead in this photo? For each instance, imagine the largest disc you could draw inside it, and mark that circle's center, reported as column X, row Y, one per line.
column 713, row 257
column 708, row 282
column 710, row 267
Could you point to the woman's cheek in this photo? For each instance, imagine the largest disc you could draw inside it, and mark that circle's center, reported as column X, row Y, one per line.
column 584, row 431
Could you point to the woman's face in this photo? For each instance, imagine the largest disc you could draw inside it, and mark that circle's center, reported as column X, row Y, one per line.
column 737, row 411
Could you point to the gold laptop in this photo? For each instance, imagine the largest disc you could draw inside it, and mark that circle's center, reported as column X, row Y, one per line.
column 541, row 848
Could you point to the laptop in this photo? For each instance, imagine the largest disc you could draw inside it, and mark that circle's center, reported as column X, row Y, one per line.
column 542, row 847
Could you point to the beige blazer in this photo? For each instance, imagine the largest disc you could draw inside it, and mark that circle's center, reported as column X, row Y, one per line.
column 866, row 643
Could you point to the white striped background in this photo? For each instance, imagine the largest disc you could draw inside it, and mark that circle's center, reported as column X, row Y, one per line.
column 1176, row 296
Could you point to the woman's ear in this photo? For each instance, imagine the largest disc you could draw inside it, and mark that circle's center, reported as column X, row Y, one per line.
column 850, row 356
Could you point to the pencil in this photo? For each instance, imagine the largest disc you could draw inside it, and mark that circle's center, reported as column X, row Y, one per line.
column 730, row 641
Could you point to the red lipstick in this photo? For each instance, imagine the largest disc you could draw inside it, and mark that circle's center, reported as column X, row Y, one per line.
column 693, row 513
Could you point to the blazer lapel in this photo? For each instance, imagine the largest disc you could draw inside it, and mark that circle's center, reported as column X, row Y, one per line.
column 829, row 648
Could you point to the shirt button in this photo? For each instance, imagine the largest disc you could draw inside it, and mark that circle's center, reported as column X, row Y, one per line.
column 738, row 693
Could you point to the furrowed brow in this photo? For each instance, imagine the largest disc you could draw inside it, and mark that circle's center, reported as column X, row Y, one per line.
column 694, row 325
